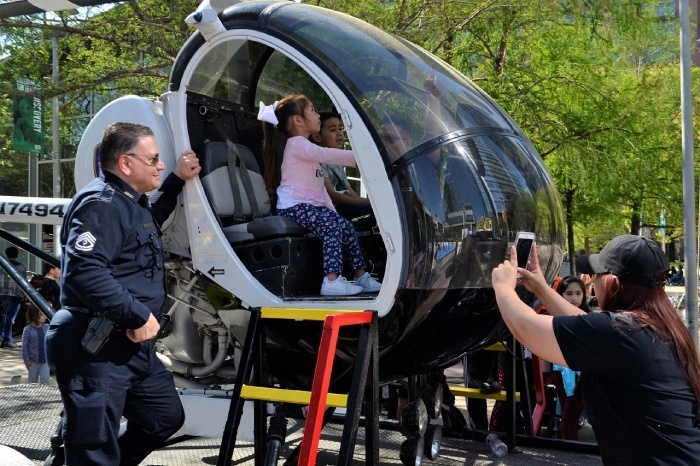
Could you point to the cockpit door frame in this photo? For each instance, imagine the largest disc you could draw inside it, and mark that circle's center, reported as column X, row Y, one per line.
column 210, row 250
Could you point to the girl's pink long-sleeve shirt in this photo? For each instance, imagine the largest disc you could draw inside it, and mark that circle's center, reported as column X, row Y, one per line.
column 302, row 175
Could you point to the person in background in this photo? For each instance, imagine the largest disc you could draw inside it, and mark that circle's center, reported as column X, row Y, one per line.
column 671, row 273
column 113, row 269
column 50, row 290
column 34, row 346
column 640, row 374
column 677, row 279
column 573, row 289
column 301, row 193
column 12, row 297
column 481, row 371
column 347, row 202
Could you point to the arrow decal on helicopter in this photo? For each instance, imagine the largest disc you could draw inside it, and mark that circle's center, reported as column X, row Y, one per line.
column 214, row 271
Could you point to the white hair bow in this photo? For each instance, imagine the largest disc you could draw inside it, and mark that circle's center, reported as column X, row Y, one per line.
column 267, row 113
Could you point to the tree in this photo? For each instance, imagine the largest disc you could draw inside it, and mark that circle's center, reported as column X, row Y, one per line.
column 127, row 49
column 591, row 83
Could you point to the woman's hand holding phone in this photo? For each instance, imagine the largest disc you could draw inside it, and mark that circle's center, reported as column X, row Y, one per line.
column 531, row 276
column 523, row 247
column 523, row 258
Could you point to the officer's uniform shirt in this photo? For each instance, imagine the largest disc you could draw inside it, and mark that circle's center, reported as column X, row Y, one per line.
column 113, row 251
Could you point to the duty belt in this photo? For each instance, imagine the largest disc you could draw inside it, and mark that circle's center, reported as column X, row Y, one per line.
column 82, row 310
column 91, row 313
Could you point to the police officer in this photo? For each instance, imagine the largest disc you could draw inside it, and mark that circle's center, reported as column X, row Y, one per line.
column 113, row 266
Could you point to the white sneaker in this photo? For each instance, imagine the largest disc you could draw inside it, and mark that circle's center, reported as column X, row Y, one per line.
column 339, row 287
column 368, row 284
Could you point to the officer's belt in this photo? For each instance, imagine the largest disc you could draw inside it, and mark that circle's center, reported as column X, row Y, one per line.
column 89, row 313
column 81, row 310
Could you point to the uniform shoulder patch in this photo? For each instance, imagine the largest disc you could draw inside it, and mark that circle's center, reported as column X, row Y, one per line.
column 85, row 242
column 107, row 193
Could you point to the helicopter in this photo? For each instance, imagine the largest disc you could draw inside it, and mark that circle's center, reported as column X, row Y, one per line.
column 447, row 205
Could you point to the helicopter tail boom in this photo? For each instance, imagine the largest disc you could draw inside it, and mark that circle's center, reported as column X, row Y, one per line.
column 34, row 210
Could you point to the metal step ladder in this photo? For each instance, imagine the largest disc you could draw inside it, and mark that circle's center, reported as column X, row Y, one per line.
column 366, row 365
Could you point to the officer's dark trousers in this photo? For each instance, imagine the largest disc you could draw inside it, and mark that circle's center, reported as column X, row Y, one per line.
column 125, row 378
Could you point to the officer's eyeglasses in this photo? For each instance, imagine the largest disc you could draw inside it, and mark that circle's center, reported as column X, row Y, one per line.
column 152, row 162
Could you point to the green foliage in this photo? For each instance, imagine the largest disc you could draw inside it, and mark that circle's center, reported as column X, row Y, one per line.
column 594, row 84
column 127, row 49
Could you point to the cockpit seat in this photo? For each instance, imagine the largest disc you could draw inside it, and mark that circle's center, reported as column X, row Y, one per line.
column 235, row 187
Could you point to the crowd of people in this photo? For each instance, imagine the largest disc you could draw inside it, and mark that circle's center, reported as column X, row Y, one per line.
column 16, row 305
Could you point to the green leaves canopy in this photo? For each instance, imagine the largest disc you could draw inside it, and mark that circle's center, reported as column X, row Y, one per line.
column 594, row 84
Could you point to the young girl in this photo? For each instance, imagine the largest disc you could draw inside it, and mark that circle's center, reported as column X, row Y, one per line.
column 574, row 291
column 33, row 347
column 301, row 194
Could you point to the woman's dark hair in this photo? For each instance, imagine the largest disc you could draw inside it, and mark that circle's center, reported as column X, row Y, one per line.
column 288, row 107
column 11, row 252
column 47, row 267
column 652, row 308
column 564, row 284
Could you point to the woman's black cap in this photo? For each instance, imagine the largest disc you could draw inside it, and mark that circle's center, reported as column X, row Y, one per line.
column 631, row 258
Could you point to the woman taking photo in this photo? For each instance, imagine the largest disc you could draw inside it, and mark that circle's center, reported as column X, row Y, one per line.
column 640, row 375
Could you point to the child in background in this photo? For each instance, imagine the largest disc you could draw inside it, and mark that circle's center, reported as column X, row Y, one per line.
column 302, row 195
column 347, row 202
column 33, row 346
column 573, row 289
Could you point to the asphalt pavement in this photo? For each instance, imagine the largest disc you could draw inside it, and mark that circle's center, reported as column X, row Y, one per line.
column 12, row 368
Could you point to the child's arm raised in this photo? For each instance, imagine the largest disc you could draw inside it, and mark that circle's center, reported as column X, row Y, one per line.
column 306, row 150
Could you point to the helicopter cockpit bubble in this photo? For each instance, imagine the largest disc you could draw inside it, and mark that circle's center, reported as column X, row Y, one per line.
column 448, row 202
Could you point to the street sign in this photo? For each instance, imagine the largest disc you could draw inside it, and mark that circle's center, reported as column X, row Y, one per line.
column 28, row 118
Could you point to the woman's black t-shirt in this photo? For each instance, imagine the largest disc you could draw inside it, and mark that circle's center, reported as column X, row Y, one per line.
column 642, row 408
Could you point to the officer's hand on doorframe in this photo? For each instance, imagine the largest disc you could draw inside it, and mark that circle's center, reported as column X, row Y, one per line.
column 149, row 330
column 187, row 165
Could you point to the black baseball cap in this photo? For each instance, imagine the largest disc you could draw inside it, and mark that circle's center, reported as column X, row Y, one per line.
column 631, row 258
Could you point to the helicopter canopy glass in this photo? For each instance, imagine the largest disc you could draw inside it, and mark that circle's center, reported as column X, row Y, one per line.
column 466, row 200
column 468, row 177
column 389, row 77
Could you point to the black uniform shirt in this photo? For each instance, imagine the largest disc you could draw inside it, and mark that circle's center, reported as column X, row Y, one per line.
column 113, row 251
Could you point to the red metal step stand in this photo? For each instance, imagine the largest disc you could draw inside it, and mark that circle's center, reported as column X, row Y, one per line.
column 367, row 354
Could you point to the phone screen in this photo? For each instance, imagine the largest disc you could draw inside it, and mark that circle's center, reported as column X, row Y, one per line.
column 522, row 248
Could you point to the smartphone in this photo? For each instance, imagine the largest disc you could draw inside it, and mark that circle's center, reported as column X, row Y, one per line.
column 523, row 247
